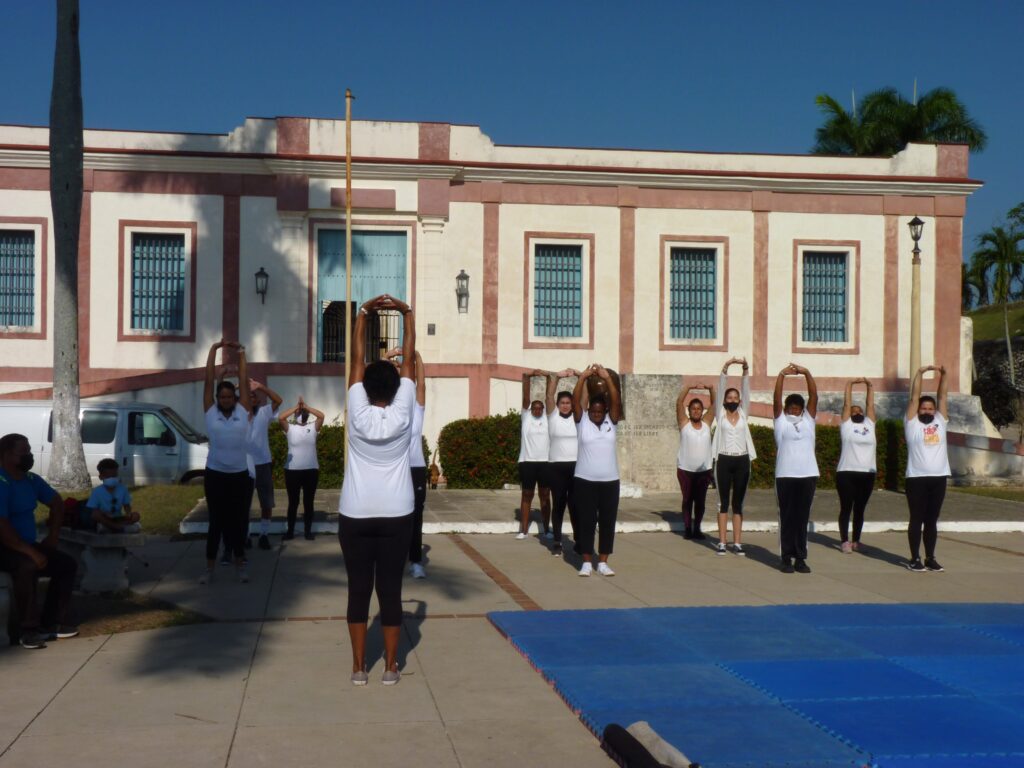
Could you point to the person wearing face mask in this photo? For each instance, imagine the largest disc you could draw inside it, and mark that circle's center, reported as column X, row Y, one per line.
column 796, row 468
column 693, row 462
column 533, row 460
column 927, row 467
column 733, row 450
column 301, row 465
column 562, row 447
column 855, row 474
column 596, row 484
column 110, row 503
column 226, row 481
column 26, row 559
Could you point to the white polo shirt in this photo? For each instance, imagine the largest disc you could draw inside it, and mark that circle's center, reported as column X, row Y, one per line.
column 794, row 443
column 927, row 455
column 377, row 482
column 259, row 440
column 563, row 443
column 229, row 439
column 416, row 439
column 597, row 459
column 860, row 445
column 534, row 442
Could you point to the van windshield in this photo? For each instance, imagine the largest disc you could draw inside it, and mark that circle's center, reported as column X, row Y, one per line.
column 183, row 427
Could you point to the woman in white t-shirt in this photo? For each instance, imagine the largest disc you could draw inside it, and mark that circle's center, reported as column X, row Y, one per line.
column 796, row 468
column 596, row 485
column 562, row 448
column 927, row 467
column 376, row 509
column 301, row 465
column 733, row 450
column 855, row 474
column 533, row 460
column 226, row 481
column 693, row 461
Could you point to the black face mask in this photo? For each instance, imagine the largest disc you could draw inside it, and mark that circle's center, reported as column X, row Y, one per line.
column 857, row 418
column 731, row 407
column 26, row 462
column 926, row 418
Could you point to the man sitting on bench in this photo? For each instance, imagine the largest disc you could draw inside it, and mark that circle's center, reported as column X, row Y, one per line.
column 110, row 504
column 24, row 558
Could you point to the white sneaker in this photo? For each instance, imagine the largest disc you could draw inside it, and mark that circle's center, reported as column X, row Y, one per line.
column 605, row 570
column 585, row 570
column 417, row 571
column 520, row 536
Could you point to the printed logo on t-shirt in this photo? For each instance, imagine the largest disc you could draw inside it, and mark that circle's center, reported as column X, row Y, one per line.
column 931, row 435
column 864, row 430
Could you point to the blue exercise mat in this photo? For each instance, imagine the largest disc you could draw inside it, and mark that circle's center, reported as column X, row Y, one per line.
column 886, row 686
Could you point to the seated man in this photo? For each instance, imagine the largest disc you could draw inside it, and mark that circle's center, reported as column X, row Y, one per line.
column 24, row 558
column 110, row 504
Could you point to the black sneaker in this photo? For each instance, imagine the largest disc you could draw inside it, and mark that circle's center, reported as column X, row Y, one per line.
column 556, row 549
column 225, row 559
column 698, row 535
column 787, row 565
column 264, row 542
column 62, row 632
column 288, row 536
column 931, row 564
column 33, row 640
column 688, row 533
column 309, row 536
column 801, row 567
column 916, row 566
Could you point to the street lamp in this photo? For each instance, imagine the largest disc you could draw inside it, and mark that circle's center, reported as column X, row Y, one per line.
column 916, row 228
column 462, row 291
column 262, row 278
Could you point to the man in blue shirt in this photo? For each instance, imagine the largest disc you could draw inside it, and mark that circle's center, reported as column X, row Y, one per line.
column 25, row 558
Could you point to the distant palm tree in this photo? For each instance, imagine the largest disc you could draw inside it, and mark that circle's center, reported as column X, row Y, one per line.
column 973, row 287
column 1002, row 255
column 886, row 123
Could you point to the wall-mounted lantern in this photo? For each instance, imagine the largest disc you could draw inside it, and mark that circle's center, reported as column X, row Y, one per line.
column 262, row 278
column 462, row 291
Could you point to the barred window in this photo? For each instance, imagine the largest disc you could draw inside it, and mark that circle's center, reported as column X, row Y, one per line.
column 825, row 296
column 692, row 293
column 17, row 278
column 158, row 281
column 558, row 290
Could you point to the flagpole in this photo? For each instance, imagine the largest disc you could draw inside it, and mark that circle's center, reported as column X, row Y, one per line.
column 349, row 315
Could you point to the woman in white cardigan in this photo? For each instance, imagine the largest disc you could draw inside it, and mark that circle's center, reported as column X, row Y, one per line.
column 733, row 450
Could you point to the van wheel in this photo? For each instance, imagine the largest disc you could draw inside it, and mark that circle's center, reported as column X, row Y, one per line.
column 192, row 478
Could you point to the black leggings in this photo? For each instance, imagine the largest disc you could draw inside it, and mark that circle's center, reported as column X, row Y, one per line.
column 694, row 486
column 228, row 495
column 419, row 490
column 795, row 494
column 375, row 549
column 854, row 491
column 302, row 481
column 597, row 507
column 732, row 474
column 924, row 498
column 560, row 476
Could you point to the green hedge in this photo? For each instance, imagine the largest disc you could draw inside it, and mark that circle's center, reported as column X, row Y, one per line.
column 482, row 453
column 330, row 443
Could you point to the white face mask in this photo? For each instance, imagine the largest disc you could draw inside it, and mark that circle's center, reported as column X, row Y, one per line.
column 794, row 419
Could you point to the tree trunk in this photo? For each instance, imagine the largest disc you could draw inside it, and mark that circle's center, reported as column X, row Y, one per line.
column 1009, row 346
column 67, row 462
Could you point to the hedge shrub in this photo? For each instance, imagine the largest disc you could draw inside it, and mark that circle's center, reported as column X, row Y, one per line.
column 482, row 453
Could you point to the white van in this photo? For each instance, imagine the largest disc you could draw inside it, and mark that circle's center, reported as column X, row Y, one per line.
column 151, row 443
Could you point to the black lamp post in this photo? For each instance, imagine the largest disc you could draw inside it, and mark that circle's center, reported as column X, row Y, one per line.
column 916, row 228
column 462, row 291
column 262, row 278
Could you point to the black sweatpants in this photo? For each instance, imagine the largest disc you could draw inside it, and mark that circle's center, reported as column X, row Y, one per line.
column 25, row 575
column 228, row 495
column 854, row 491
column 732, row 475
column 597, row 507
column 924, row 498
column 419, row 490
column 795, row 495
column 302, row 481
column 375, row 549
column 560, row 476
column 694, row 486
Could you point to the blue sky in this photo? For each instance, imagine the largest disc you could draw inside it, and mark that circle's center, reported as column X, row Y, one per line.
column 731, row 76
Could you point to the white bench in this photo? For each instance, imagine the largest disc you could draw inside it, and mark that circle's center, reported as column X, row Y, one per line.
column 101, row 558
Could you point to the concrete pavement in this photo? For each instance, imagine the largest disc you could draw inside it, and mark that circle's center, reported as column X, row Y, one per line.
column 266, row 681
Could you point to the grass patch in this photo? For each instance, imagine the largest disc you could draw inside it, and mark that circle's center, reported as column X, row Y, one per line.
column 128, row 612
column 162, row 507
column 1009, row 493
column 988, row 321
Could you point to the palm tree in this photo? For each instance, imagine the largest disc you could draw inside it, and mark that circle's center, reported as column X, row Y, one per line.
column 1002, row 254
column 67, row 464
column 973, row 287
column 887, row 122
